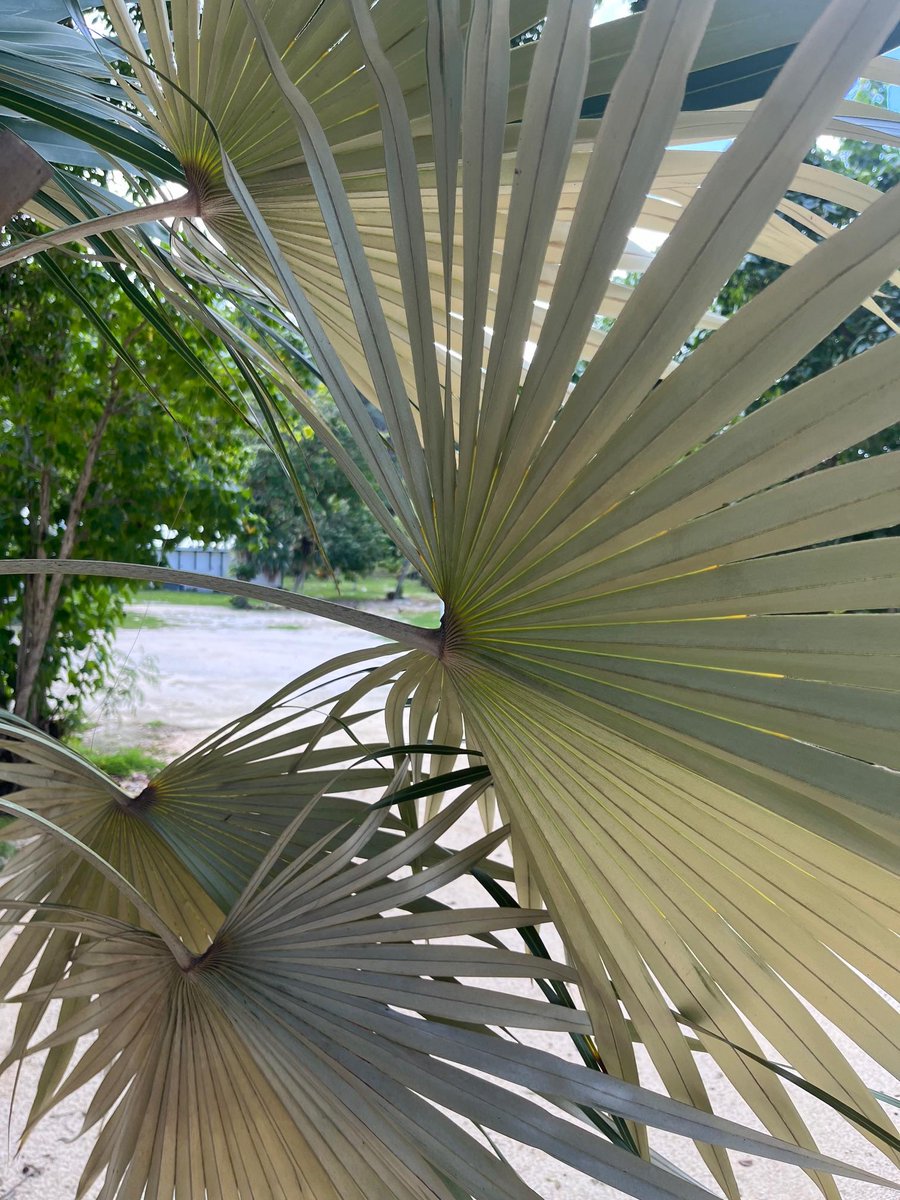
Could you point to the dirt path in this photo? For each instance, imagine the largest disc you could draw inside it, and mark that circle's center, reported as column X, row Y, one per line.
column 202, row 666
column 199, row 667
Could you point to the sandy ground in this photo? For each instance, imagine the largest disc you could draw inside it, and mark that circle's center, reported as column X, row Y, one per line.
column 205, row 666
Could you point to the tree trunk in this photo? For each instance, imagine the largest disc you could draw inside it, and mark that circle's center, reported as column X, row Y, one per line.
column 41, row 592
column 24, row 173
column 30, row 652
column 401, row 576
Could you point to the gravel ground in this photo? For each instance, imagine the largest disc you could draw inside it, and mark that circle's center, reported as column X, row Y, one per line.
column 206, row 665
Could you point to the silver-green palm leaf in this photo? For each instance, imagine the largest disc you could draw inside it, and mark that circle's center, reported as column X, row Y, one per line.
column 650, row 636
column 312, row 1047
column 195, row 834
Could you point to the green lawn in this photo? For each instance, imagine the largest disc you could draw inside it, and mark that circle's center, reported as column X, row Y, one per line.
column 164, row 596
column 425, row 620
column 129, row 760
column 368, row 587
column 136, row 620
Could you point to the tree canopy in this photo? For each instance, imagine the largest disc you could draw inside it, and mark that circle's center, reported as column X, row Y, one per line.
column 275, row 537
column 97, row 458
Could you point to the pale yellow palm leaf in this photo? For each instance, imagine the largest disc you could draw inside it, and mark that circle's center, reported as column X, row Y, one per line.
column 575, row 523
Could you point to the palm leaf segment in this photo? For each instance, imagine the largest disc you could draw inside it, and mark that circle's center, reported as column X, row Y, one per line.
column 649, row 637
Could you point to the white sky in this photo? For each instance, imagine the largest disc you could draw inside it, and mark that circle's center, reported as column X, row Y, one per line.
column 609, row 10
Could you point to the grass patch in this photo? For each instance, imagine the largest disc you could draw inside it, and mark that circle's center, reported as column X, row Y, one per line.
column 425, row 620
column 135, row 620
column 129, row 760
column 164, row 596
column 368, row 587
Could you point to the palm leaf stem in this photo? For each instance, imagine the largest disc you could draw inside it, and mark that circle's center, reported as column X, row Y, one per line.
column 408, row 635
column 181, row 206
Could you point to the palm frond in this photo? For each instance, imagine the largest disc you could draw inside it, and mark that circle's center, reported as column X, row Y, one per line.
column 173, row 91
column 661, row 795
column 196, row 833
column 349, row 1028
column 374, row 623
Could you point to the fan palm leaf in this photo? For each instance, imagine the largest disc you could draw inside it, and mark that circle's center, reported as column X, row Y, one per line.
column 182, row 101
column 560, row 522
column 302, row 1002
column 195, row 834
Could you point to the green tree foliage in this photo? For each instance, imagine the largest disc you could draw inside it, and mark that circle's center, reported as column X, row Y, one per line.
column 276, row 539
column 90, row 467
